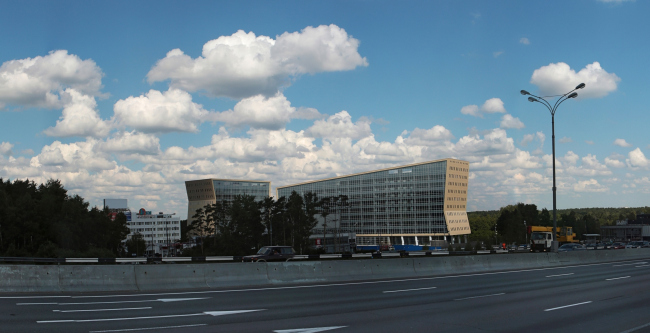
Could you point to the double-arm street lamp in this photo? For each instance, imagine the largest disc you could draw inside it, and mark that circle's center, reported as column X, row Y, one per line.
column 552, row 109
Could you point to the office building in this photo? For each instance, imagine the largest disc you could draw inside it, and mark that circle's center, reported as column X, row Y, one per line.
column 203, row 192
column 411, row 205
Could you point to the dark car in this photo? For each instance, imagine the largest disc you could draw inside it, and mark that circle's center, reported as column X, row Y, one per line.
column 570, row 247
column 271, row 253
column 617, row 246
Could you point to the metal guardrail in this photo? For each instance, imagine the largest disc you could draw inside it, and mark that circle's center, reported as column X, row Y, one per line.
column 144, row 260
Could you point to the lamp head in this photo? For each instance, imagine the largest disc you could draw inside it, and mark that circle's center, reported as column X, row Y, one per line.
column 532, row 99
column 574, row 95
column 524, row 92
column 580, row 86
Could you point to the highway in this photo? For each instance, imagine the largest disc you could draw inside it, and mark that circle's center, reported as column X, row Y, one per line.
column 603, row 297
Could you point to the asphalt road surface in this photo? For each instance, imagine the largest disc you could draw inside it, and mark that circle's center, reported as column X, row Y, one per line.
column 609, row 297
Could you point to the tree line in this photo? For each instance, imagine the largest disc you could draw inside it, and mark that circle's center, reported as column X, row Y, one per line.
column 44, row 221
column 509, row 221
column 242, row 225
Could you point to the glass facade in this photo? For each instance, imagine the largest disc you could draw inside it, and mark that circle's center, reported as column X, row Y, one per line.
column 408, row 201
column 203, row 192
column 228, row 189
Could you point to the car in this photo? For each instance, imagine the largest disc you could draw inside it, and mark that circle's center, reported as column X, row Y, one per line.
column 617, row 246
column 645, row 244
column 271, row 253
column 571, row 247
column 593, row 246
column 634, row 245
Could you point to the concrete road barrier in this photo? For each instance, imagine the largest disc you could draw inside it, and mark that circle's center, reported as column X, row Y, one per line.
column 83, row 278
column 294, row 271
column 121, row 277
column 235, row 274
column 347, row 270
column 29, row 278
column 161, row 276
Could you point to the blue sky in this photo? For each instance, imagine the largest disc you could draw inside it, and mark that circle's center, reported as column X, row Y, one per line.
column 129, row 100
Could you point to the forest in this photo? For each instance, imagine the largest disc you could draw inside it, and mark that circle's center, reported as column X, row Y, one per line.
column 510, row 227
column 44, row 221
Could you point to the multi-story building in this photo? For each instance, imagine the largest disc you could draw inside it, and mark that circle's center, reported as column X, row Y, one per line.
column 203, row 192
column 413, row 204
column 160, row 231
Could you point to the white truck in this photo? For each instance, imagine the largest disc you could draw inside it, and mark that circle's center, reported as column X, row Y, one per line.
column 541, row 241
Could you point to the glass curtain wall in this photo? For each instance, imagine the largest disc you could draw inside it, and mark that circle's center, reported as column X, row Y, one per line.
column 400, row 202
column 227, row 190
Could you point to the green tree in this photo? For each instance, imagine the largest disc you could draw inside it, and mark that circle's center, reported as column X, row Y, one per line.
column 200, row 227
column 136, row 245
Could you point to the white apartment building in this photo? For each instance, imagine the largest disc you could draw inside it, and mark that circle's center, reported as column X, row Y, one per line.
column 160, row 231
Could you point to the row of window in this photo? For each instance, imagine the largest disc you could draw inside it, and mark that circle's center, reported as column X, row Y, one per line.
column 153, row 223
column 455, row 206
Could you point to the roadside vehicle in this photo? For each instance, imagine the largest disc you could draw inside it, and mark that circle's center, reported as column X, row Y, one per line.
column 634, row 245
column 617, row 246
column 645, row 244
column 541, row 238
column 271, row 253
column 592, row 246
column 571, row 247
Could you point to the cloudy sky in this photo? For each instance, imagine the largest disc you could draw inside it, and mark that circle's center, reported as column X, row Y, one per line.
column 122, row 99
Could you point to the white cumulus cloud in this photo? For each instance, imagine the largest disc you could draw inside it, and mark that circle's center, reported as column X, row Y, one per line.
column 590, row 185
column 524, row 41
column 39, row 81
column 622, row 143
column 132, row 143
column 160, row 112
column 559, row 78
column 508, row 121
column 79, row 117
column 340, row 125
column 492, row 105
column 261, row 112
column 5, row 148
column 244, row 65
column 428, row 136
column 637, row 159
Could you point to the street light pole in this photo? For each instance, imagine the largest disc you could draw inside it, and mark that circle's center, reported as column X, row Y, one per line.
column 526, row 234
column 552, row 109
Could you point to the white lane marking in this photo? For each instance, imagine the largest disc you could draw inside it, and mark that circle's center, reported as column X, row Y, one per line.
column 560, row 275
column 166, row 300
column 566, row 306
column 331, row 285
column 634, row 263
column 147, row 328
column 643, row 266
column 618, row 278
column 399, row 291
column 461, row 299
column 223, row 313
column 96, row 310
column 211, row 313
column 636, row 328
column 309, row 330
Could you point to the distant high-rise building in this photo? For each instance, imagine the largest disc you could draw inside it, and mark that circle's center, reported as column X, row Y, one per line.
column 405, row 205
column 203, row 192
